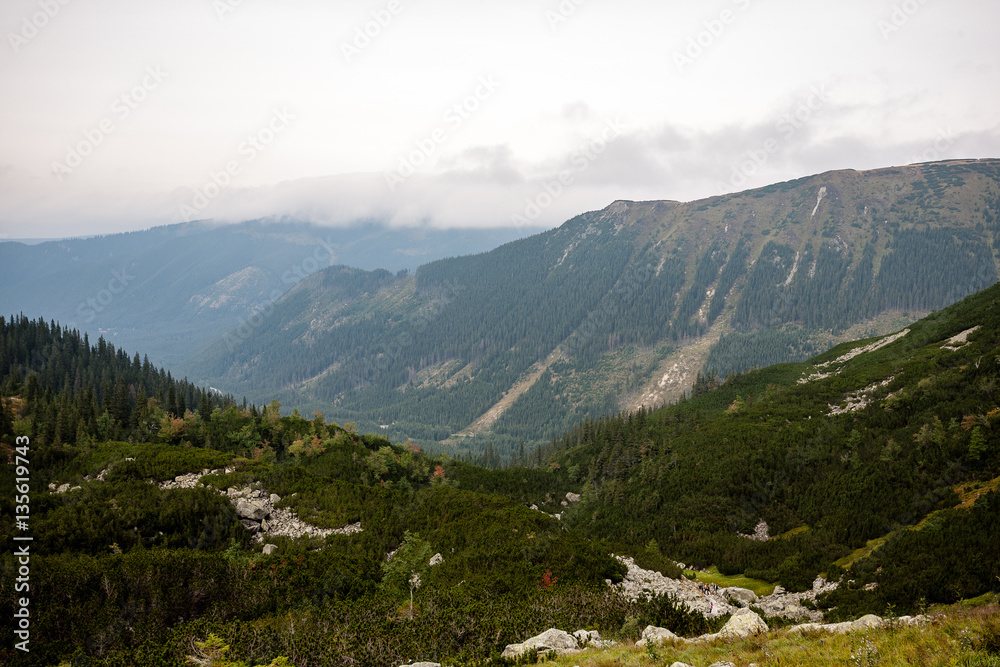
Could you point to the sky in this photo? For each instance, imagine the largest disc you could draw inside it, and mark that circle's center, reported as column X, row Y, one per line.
column 120, row 115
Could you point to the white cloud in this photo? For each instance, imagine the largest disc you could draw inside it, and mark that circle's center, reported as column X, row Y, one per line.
column 889, row 97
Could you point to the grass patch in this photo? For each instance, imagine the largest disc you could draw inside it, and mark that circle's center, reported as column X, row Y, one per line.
column 713, row 576
column 958, row 638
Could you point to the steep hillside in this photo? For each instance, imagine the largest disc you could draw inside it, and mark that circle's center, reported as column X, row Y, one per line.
column 836, row 456
column 623, row 307
column 169, row 290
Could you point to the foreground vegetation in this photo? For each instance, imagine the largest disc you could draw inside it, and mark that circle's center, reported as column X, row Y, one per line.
column 125, row 572
column 965, row 637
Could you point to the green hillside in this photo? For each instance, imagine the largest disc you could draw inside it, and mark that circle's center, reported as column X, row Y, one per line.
column 621, row 308
column 893, row 439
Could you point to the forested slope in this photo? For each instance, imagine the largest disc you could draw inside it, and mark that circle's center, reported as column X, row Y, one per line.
column 622, row 307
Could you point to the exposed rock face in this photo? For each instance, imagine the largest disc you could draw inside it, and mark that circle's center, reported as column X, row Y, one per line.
column 744, row 623
column 257, row 511
column 591, row 638
column 760, row 533
column 860, row 625
column 551, row 640
column 655, row 635
column 639, row 583
column 739, row 595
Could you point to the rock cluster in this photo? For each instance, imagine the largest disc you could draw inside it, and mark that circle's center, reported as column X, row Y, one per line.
column 640, row 583
column 257, row 511
column 559, row 641
column 864, row 623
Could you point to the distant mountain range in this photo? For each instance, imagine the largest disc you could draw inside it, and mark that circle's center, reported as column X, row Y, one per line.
column 621, row 307
column 170, row 290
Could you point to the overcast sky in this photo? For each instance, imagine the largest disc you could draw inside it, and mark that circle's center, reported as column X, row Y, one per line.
column 118, row 114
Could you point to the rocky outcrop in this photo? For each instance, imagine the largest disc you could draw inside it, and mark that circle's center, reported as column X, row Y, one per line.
column 654, row 635
column 744, row 623
column 740, row 596
column 868, row 622
column 257, row 511
column 551, row 640
column 642, row 583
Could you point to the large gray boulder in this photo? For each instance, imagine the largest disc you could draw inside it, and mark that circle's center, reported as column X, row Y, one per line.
column 735, row 594
column 254, row 510
column 744, row 623
column 550, row 640
column 868, row 622
column 654, row 635
column 423, row 664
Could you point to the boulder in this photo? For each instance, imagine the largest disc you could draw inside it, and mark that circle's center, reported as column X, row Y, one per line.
column 655, row 635
column 253, row 510
column 550, row 640
column 744, row 623
column 590, row 638
column 868, row 622
column 436, row 559
column 722, row 663
column 734, row 594
column 680, row 664
column 423, row 664
column 573, row 497
column 275, row 498
column 864, row 623
column 252, row 526
column 270, row 549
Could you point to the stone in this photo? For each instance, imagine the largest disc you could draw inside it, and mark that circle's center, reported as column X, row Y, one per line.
column 744, row 623
column 550, row 640
column 819, row 584
column 275, row 498
column 436, row 559
column 654, row 635
column 680, row 664
column 270, row 549
column 252, row 526
column 423, row 664
column 722, row 663
column 736, row 594
column 573, row 497
column 251, row 509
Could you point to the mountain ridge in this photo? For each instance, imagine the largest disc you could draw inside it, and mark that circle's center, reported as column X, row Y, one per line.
column 610, row 302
